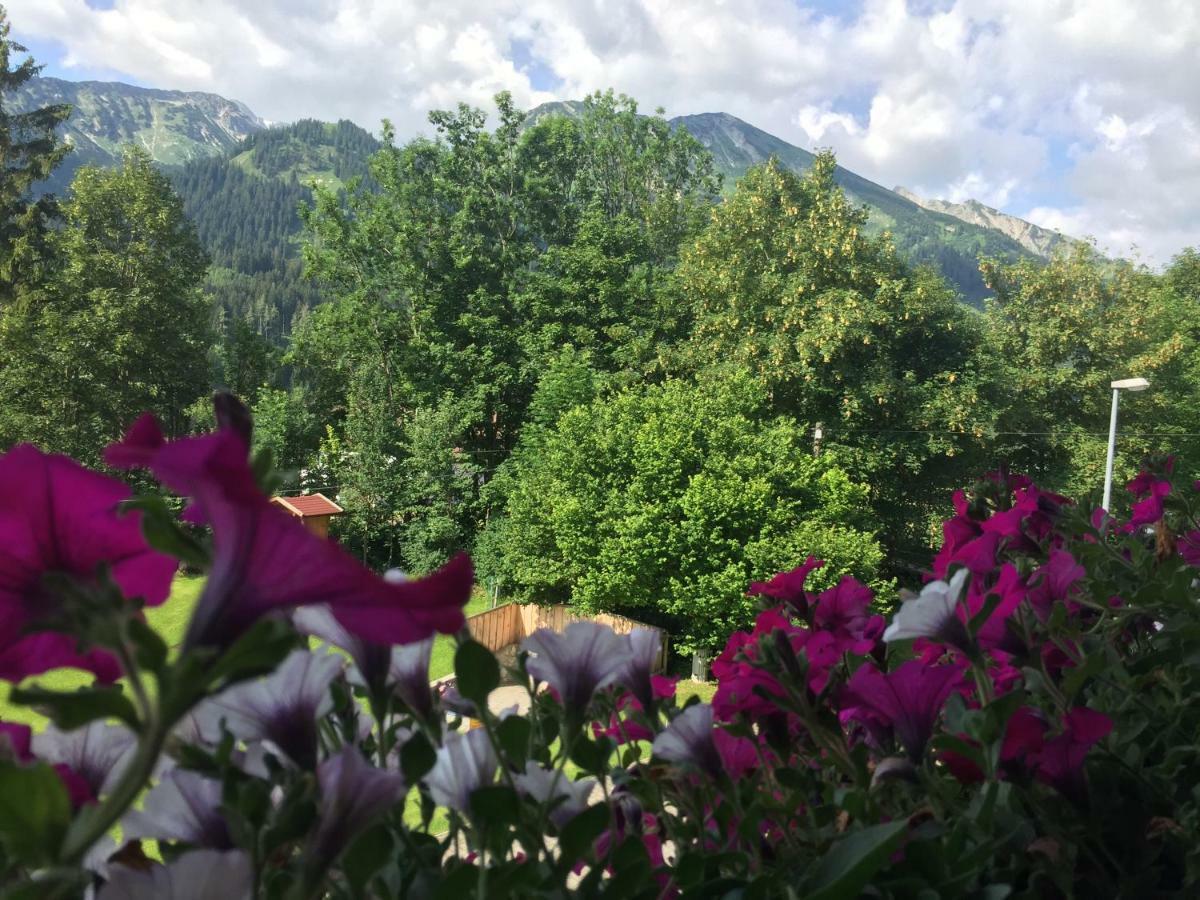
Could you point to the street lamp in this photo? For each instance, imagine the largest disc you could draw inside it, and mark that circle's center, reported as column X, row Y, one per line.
column 1123, row 384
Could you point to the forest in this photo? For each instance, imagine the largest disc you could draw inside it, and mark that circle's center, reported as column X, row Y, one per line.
column 569, row 348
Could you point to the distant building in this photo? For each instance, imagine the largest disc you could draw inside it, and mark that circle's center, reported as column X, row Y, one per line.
column 315, row 510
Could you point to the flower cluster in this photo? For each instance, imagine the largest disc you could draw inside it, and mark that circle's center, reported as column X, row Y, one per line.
column 1023, row 724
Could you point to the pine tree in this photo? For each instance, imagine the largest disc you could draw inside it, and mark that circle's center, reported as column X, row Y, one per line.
column 29, row 152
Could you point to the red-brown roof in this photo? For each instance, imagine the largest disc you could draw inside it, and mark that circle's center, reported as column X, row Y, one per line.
column 306, row 505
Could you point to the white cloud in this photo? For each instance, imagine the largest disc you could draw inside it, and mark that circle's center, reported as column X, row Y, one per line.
column 954, row 99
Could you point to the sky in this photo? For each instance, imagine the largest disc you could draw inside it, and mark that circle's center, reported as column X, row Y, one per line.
column 1081, row 115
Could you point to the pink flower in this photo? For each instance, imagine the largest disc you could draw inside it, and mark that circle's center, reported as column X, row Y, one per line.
column 742, row 683
column 16, row 741
column 1053, row 582
column 265, row 560
column 58, row 518
column 788, row 587
column 1011, row 591
column 844, row 612
column 1149, row 510
column 1059, row 762
column 907, row 700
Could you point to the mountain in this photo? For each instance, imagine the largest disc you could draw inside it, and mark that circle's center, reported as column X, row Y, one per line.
column 175, row 127
column 1037, row 240
column 245, row 205
column 950, row 243
column 242, row 183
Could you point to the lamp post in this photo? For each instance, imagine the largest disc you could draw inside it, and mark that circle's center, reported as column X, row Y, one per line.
column 1123, row 384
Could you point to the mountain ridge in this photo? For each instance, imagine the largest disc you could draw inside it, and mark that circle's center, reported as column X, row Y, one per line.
column 1044, row 242
column 202, row 137
column 175, row 127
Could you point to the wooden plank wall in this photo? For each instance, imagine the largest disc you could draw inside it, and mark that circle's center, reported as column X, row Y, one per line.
column 509, row 624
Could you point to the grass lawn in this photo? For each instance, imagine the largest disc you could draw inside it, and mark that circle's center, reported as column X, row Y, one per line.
column 170, row 619
column 441, row 661
column 686, row 688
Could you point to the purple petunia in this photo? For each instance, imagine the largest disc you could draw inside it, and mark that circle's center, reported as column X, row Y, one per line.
column 584, row 658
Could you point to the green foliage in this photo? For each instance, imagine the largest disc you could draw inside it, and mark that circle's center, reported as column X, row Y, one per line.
column 121, row 327
column 458, row 274
column 1059, row 334
column 785, row 284
column 664, row 502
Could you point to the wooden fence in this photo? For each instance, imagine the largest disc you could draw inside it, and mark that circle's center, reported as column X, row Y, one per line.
column 509, row 624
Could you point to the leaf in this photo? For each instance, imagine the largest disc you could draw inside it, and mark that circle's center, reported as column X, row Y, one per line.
column 582, row 831
column 513, row 734
column 35, row 812
column 417, row 757
column 848, row 866
column 476, row 671
column 164, row 533
column 367, row 855
column 151, row 650
column 495, row 805
column 73, row 709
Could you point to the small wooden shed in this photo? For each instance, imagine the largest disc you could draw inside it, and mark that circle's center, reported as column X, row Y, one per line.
column 315, row 510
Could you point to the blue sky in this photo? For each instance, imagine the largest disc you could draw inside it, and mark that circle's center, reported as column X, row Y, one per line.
column 1078, row 114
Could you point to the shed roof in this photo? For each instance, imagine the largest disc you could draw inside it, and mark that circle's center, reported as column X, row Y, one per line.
column 308, row 505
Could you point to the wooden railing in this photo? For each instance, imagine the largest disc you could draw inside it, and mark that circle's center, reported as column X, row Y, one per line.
column 509, row 624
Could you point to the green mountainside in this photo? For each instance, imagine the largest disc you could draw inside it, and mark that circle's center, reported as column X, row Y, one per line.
column 922, row 235
column 243, row 182
column 174, row 127
column 245, row 203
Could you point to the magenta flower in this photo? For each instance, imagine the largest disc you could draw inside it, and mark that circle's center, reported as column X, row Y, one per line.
column 584, row 658
column 788, row 587
column 745, row 687
column 353, row 795
column 1054, row 582
column 1059, row 762
column 844, row 612
column 1011, row 590
column 266, row 560
column 1189, row 548
column 907, row 700
column 56, row 517
column 16, row 742
column 1149, row 510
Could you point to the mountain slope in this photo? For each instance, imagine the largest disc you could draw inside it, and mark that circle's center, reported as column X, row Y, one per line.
column 175, row 127
column 245, row 206
column 921, row 235
column 1037, row 240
